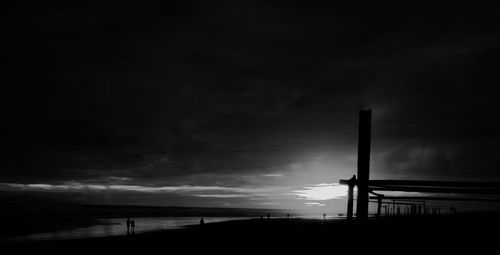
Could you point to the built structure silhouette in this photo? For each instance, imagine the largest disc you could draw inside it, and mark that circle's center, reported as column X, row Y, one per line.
column 415, row 205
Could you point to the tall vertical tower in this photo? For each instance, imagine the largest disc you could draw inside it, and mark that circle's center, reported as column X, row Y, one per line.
column 364, row 137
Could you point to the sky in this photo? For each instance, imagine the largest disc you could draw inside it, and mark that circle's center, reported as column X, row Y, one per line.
column 243, row 103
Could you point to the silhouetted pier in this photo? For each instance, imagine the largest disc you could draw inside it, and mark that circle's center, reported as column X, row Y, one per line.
column 412, row 205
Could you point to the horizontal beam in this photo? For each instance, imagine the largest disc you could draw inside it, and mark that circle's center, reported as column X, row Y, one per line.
column 440, row 198
column 344, row 182
column 495, row 185
column 396, row 203
column 347, row 182
column 436, row 190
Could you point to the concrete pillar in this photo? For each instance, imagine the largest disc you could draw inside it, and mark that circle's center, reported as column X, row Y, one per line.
column 350, row 198
column 393, row 208
column 379, row 205
column 364, row 136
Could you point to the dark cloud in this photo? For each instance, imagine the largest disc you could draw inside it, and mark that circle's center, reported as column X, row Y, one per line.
column 199, row 93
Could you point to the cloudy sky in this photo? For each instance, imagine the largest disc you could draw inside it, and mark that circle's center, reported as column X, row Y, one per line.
column 246, row 104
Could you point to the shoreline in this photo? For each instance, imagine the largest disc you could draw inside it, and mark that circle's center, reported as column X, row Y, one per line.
column 444, row 231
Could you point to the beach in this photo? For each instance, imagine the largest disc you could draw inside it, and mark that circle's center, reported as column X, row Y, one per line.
column 423, row 234
column 38, row 221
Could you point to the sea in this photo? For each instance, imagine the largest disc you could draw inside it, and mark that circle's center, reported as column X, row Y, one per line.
column 118, row 227
column 47, row 222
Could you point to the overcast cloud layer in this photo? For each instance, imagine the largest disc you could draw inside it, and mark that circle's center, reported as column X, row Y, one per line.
column 246, row 95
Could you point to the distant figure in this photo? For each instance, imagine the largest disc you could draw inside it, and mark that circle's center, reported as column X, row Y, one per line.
column 268, row 216
column 324, row 216
column 261, row 217
column 132, row 226
column 128, row 226
column 202, row 221
column 288, row 216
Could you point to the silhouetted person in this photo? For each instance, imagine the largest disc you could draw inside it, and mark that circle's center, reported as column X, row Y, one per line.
column 324, row 216
column 288, row 216
column 128, row 226
column 132, row 226
column 268, row 216
column 202, row 221
column 261, row 217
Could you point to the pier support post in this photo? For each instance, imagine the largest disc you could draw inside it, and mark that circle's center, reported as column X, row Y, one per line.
column 379, row 206
column 364, row 137
column 350, row 196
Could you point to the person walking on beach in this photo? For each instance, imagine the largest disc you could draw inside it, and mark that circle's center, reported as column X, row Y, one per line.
column 128, row 226
column 132, row 225
column 202, row 221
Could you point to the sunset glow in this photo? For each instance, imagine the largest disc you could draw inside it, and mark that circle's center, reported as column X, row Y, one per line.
column 323, row 191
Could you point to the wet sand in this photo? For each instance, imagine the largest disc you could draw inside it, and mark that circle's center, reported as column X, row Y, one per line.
column 34, row 218
column 423, row 234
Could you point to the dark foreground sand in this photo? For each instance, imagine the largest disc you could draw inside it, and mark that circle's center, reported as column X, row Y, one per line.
column 423, row 235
